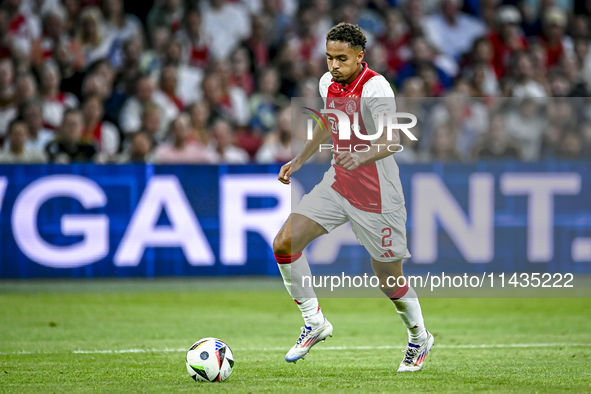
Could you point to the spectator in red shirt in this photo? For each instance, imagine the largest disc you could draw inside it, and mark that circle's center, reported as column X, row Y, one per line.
column 395, row 40
column 553, row 39
column 168, row 84
column 507, row 40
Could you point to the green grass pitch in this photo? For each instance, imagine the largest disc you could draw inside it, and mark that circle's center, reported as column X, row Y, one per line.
column 129, row 336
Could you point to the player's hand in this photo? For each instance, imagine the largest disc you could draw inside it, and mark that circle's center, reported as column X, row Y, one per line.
column 286, row 171
column 348, row 160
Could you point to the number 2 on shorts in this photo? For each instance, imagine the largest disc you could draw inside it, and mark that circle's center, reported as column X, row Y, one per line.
column 386, row 242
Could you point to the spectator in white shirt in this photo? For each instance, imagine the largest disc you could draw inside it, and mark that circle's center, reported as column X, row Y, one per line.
column 104, row 134
column 39, row 136
column 227, row 24
column 8, row 110
column 19, row 152
column 222, row 144
column 527, row 126
column 55, row 102
column 453, row 31
column 182, row 149
column 130, row 119
column 93, row 36
column 525, row 85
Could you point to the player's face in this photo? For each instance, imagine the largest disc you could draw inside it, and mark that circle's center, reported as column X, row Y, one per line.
column 343, row 60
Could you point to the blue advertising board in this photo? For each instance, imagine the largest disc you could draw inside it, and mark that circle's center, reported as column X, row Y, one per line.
column 89, row 220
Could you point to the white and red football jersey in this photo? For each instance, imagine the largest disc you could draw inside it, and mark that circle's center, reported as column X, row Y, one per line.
column 373, row 187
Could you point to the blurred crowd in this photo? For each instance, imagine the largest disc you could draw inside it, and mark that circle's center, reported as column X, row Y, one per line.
column 210, row 81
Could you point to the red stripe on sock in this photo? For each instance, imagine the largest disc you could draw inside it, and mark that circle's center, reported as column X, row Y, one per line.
column 287, row 258
column 399, row 293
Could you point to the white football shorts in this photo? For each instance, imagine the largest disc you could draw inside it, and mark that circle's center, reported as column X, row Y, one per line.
column 382, row 234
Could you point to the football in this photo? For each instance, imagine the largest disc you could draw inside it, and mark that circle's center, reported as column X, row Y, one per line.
column 210, row 360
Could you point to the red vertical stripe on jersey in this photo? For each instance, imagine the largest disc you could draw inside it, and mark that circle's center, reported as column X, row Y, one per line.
column 361, row 187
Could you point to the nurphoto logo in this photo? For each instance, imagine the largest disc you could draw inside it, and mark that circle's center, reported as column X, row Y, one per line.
column 342, row 126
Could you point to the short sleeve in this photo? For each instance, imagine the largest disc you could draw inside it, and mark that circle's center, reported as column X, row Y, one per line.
column 323, row 85
column 379, row 98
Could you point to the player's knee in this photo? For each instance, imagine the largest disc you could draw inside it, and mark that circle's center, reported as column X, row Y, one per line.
column 282, row 244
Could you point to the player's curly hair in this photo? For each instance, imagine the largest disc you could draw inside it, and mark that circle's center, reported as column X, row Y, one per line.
column 349, row 33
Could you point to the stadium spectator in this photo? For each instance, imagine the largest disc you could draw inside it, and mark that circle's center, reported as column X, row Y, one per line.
column 466, row 119
column 18, row 150
column 54, row 35
column 194, row 41
column 151, row 121
column 395, row 39
column 189, row 78
column 442, row 146
column 487, row 11
column 168, row 85
column 130, row 118
column 24, row 28
column 225, row 101
column 55, row 102
column 225, row 36
column 26, row 87
column 277, row 146
column 259, row 43
column 571, row 147
column 69, row 62
column 222, row 144
column 39, row 136
column 308, row 43
column 423, row 64
column 73, row 8
column 266, row 103
column 69, row 146
column 481, row 67
column 123, row 27
column 507, row 39
column 241, row 71
column 140, row 149
column 5, row 38
column 166, row 13
column 278, row 19
column 539, row 60
column 556, row 44
column 182, row 150
column 103, row 134
column 495, row 144
column 199, row 114
column 525, row 85
column 151, row 59
column 452, row 31
column 96, row 41
column 8, row 110
column 526, row 126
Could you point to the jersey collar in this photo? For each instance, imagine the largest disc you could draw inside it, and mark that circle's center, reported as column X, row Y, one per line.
column 353, row 85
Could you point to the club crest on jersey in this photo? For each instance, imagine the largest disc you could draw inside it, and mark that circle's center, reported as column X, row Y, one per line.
column 351, row 107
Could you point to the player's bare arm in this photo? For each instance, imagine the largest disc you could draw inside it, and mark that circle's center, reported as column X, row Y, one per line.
column 377, row 151
column 319, row 136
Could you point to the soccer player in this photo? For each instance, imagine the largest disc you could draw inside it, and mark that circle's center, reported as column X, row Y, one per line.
column 361, row 187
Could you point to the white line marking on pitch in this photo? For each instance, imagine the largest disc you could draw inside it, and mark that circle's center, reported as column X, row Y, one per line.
column 272, row 349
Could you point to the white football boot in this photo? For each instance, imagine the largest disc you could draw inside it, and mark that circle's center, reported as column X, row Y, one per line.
column 307, row 339
column 414, row 356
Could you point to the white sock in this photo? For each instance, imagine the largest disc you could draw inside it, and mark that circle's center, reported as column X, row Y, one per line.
column 409, row 309
column 293, row 268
